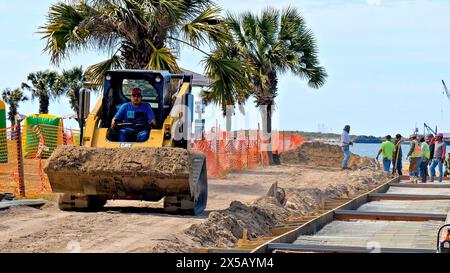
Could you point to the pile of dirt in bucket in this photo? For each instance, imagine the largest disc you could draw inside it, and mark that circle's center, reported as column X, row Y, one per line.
column 136, row 161
column 324, row 155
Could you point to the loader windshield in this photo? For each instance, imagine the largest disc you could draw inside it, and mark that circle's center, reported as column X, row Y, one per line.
column 149, row 93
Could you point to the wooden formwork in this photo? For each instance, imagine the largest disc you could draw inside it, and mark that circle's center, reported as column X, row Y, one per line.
column 290, row 224
column 348, row 212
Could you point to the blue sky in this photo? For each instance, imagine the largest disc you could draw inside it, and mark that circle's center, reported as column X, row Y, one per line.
column 385, row 61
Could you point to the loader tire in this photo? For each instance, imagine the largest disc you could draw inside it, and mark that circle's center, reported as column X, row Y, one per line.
column 80, row 202
column 193, row 204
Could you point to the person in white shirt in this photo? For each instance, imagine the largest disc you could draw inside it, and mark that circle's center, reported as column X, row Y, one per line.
column 345, row 146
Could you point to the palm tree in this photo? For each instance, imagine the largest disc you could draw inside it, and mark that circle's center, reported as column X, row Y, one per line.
column 69, row 82
column 41, row 85
column 273, row 44
column 137, row 34
column 229, row 81
column 13, row 98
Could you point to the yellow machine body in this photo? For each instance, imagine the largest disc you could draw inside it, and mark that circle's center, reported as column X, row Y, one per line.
column 86, row 179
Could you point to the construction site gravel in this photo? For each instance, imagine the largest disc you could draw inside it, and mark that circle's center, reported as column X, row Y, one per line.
column 235, row 203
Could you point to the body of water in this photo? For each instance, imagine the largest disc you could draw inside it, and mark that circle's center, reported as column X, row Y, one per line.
column 371, row 149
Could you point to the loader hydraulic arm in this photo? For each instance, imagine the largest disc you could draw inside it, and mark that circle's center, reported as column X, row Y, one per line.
column 92, row 122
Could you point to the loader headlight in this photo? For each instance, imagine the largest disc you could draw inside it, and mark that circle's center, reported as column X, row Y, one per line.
column 158, row 79
column 167, row 134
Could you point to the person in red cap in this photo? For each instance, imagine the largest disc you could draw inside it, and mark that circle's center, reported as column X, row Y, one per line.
column 139, row 114
column 438, row 158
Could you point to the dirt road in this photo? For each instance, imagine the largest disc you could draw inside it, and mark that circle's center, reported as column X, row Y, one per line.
column 126, row 226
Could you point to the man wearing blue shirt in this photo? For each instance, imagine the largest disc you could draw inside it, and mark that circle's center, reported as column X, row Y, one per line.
column 139, row 114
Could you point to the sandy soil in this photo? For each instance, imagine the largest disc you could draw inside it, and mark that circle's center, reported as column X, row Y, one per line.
column 321, row 154
column 104, row 161
column 125, row 226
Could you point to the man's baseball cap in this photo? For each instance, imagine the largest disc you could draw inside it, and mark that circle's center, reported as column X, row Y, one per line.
column 136, row 91
column 440, row 135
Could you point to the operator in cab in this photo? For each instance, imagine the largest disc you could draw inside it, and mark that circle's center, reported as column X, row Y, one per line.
column 138, row 118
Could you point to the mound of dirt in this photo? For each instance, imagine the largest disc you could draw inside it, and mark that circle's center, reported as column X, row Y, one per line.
column 306, row 201
column 324, row 155
column 224, row 228
column 145, row 161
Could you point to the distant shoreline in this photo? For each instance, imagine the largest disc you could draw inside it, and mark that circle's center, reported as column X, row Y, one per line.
column 362, row 139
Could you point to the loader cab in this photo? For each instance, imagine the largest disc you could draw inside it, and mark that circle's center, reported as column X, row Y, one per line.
column 117, row 91
column 158, row 88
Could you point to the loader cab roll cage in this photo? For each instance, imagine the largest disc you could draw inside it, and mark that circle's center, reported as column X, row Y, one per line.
column 157, row 87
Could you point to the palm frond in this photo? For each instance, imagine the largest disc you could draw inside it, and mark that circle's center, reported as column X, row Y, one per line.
column 95, row 73
column 13, row 99
column 162, row 59
column 208, row 25
column 317, row 77
column 234, row 26
column 291, row 24
column 309, row 67
column 62, row 32
column 276, row 42
column 266, row 30
column 228, row 81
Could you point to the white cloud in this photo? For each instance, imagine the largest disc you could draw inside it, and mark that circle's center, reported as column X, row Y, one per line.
column 374, row 2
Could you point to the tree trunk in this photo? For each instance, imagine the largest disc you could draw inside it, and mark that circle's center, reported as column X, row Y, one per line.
column 267, row 121
column 136, row 57
column 229, row 115
column 13, row 129
column 266, row 116
column 12, row 114
column 75, row 103
column 43, row 103
column 79, row 122
column 12, row 118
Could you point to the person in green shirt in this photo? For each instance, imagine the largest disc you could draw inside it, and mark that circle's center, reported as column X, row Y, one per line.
column 447, row 165
column 387, row 151
column 425, row 159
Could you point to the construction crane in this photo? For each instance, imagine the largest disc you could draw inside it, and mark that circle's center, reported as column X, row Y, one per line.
column 446, row 90
column 429, row 130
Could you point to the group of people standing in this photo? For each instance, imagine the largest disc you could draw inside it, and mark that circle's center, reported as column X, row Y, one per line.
column 424, row 153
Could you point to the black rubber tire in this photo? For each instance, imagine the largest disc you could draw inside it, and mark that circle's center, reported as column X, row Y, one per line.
column 201, row 200
column 96, row 203
column 71, row 202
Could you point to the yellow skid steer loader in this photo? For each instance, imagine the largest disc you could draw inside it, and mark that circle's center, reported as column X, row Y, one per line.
column 104, row 168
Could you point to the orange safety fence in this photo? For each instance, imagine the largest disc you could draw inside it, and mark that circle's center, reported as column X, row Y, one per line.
column 224, row 154
column 244, row 150
column 37, row 143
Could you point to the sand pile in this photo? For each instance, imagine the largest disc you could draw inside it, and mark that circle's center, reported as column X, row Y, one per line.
column 224, row 228
column 136, row 161
column 306, row 201
column 325, row 155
